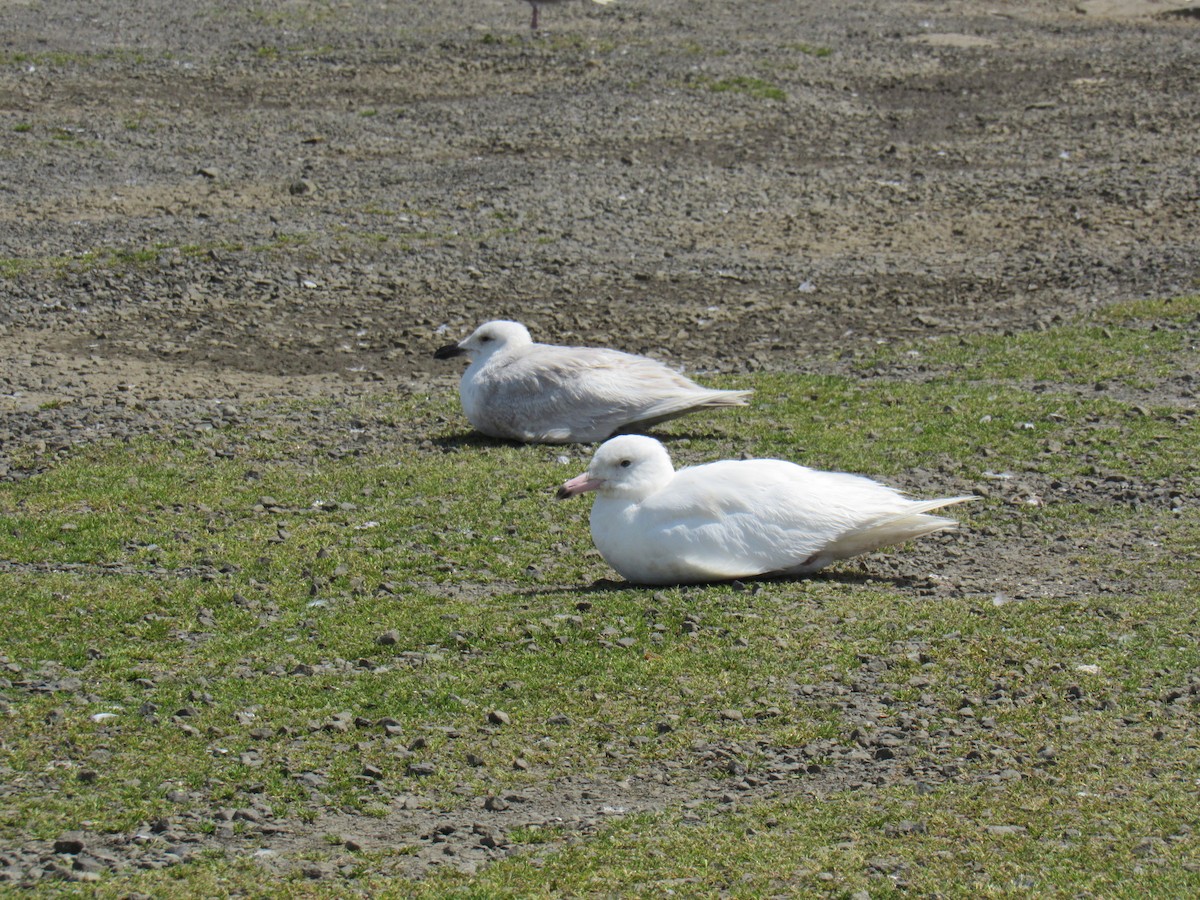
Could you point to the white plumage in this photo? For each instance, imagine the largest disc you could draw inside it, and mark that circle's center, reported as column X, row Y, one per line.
column 540, row 393
column 737, row 518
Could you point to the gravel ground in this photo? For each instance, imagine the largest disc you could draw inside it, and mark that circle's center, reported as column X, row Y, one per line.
column 205, row 209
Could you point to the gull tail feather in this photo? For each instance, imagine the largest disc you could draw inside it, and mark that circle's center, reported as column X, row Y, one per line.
column 679, row 406
column 908, row 525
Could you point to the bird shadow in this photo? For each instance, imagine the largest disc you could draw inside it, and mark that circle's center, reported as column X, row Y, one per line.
column 599, row 586
column 475, row 439
column 471, row 439
column 610, row 586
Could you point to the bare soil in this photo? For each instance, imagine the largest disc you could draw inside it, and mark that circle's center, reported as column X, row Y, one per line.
column 245, row 203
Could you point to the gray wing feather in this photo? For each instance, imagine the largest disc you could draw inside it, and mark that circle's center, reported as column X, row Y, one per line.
column 586, row 394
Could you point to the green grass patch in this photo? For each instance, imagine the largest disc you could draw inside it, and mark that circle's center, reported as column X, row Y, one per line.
column 1149, row 346
column 118, row 258
column 1169, row 309
column 985, row 843
column 820, row 52
column 64, row 59
column 1082, row 354
column 974, row 427
column 233, row 617
column 744, row 84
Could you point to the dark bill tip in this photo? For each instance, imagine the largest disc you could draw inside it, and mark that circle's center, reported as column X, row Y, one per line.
column 448, row 352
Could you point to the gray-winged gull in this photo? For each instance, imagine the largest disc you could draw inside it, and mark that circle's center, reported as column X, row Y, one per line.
column 541, row 393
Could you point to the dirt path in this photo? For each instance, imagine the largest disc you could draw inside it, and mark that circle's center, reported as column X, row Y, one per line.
column 239, row 203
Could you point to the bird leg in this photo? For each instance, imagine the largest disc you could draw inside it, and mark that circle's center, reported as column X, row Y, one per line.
column 533, row 23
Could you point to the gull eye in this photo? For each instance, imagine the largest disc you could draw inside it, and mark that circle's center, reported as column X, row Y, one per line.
column 626, row 463
column 484, row 338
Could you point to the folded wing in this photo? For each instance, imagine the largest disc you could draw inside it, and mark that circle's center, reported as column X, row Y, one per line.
column 586, row 394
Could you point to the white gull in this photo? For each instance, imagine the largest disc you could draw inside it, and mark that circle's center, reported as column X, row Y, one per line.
column 737, row 518
column 540, row 393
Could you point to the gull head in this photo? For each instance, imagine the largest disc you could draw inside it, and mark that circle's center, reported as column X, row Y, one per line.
column 630, row 466
column 488, row 339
